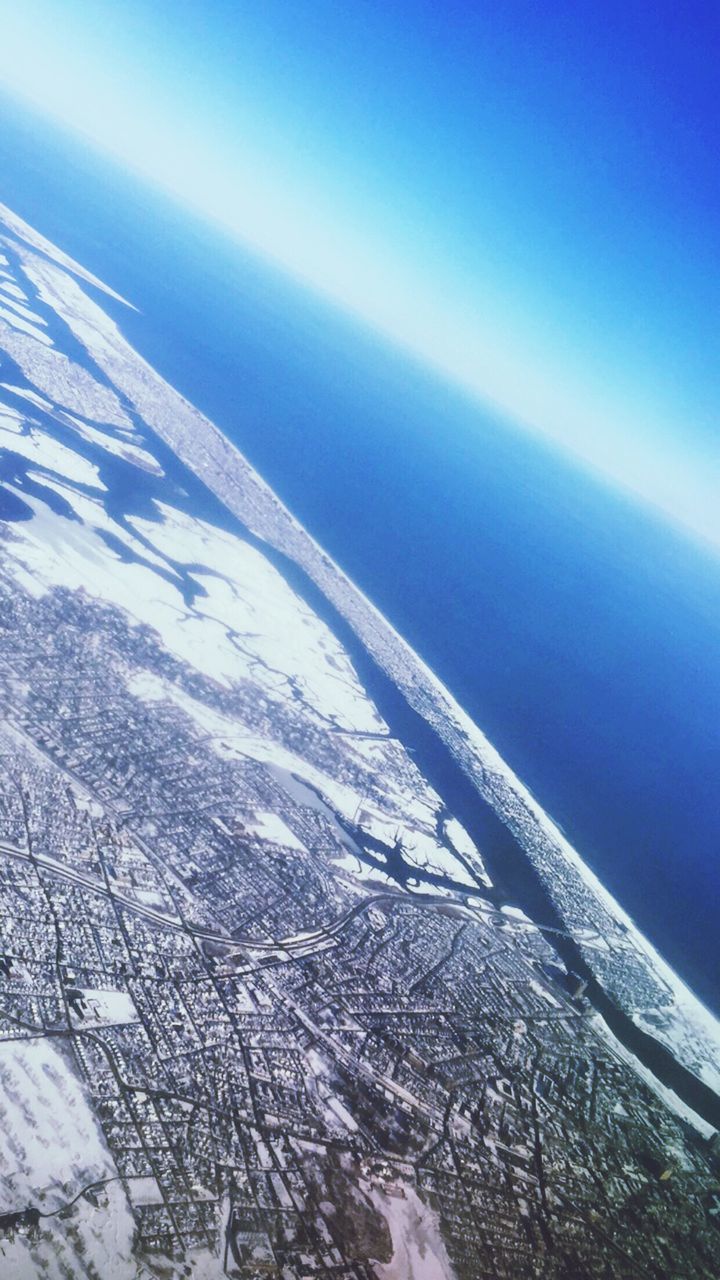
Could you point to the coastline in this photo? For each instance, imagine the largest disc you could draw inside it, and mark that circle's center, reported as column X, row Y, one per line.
column 467, row 771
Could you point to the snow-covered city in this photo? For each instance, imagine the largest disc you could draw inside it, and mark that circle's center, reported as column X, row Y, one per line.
column 271, row 1002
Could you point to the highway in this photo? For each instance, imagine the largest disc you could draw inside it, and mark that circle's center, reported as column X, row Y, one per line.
column 299, row 944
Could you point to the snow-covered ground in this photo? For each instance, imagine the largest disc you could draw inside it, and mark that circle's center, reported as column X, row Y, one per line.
column 28, row 235
column 99, row 1008
column 51, row 1147
column 40, row 448
column 418, row 1249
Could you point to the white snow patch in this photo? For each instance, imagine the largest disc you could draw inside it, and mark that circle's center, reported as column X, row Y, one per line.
column 270, row 827
column 50, row 1149
column 335, row 1112
column 418, row 1249
column 259, row 612
column 14, row 291
column 24, row 326
column 20, row 309
column 120, row 448
column 18, row 227
column 40, row 401
column 44, row 451
column 105, row 1008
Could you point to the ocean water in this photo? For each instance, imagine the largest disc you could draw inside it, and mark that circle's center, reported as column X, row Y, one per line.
column 581, row 633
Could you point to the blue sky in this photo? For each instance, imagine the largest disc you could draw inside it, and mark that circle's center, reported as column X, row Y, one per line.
column 527, row 196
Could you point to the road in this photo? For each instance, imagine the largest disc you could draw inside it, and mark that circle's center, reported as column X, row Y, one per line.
column 299, row 944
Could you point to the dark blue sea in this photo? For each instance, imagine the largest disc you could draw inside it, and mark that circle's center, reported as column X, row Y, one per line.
column 582, row 634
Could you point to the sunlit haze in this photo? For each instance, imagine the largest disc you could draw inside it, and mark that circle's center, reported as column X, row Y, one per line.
column 545, row 259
